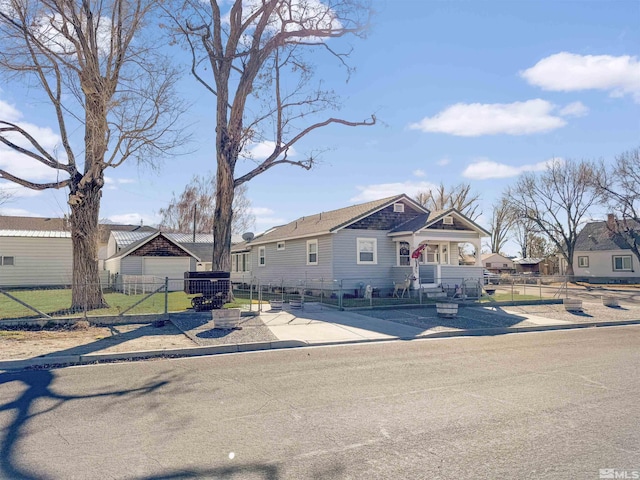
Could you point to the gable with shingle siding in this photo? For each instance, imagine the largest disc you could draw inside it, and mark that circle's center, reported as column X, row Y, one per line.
column 385, row 219
column 159, row 247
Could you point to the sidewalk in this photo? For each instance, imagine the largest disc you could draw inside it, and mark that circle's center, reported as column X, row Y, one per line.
column 191, row 334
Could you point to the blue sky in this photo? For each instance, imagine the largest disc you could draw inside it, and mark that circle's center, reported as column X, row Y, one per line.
column 475, row 92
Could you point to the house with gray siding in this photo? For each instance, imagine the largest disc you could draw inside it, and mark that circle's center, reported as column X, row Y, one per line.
column 375, row 244
column 600, row 255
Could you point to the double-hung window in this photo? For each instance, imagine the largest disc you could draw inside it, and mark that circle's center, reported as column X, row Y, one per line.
column 367, row 251
column 262, row 259
column 312, row 252
column 622, row 263
column 583, row 262
column 404, row 254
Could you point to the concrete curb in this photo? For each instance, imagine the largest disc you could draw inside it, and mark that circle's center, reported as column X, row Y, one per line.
column 69, row 360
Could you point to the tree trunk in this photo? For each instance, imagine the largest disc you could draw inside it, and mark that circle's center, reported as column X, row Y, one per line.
column 222, row 217
column 85, row 207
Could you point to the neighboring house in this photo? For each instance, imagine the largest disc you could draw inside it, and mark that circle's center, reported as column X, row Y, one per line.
column 35, row 257
column 156, row 256
column 365, row 244
column 63, row 225
column 528, row 265
column 496, row 263
column 600, row 255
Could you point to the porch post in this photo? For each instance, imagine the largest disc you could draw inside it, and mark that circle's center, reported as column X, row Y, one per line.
column 415, row 264
column 477, row 244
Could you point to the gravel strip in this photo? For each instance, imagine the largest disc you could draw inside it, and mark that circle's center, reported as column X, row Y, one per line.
column 592, row 312
column 199, row 327
column 467, row 318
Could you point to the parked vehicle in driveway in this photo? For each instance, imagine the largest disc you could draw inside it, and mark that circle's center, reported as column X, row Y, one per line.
column 490, row 278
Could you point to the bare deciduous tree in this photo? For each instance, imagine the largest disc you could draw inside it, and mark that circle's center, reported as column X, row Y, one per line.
column 556, row 201
column 196, row 205
column 620, row 188
column 255, row 57
column 459, row 197
column 502, row 220
column 102, row 77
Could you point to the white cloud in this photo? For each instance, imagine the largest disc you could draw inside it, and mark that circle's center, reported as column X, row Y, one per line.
column 485, row 169
column 443, row 162
column 382, row 190
column 17, row 212
column 9, row 113
column 570, row 72
column 260, row 151
column 260, row 211
column 575, row 109
column 419, row 173
column 111, row 183
column 18, row 191
column 475, row 119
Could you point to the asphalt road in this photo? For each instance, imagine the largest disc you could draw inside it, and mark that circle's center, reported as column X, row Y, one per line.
column 541, row 405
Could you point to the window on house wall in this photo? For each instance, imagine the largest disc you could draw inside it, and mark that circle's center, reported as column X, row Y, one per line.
column 312, row 252
column 432, row 254
column 583, row 262
column 488, row 264
column 6, row 261
column 280, row 246
column 404, row 254
column 622, row 263
column 262, row 259
column 246, row 265
column 398, row 207
column 444, row 254
column 367, row 251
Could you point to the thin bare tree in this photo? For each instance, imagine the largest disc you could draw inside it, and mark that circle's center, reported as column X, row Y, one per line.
column 256, row 57
column 194, row 208
column 523, row 230
column 460, row 197
column 111, row 94
column 620, row 188
column 502, row 220
column 557, row 202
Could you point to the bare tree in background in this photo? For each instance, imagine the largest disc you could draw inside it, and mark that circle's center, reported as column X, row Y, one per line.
column 620, row 188
column 459, row 197
column 557, row 202
column 502, row 220
column 196, row 205
column 255, row 58
column 102, row 77
column 523, row 229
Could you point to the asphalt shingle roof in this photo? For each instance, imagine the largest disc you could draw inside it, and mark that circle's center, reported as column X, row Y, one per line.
column 596, row 236
column 325, row 222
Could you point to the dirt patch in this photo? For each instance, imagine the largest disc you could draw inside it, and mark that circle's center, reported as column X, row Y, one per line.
column 21, row 343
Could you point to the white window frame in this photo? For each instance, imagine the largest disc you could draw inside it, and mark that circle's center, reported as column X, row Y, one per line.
column 3, row 261
column 623, row 258
column 246, row 262
column 309, row 252
column 448, row 220
column 583, row 261
column 262, row 256
column 398, row 256
column 398, row 208
column 359, row 251
column 280, row 246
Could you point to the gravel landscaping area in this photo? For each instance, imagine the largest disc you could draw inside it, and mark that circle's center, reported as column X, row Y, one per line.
column 592, row 312
column 474, row 317
column 200, row 328
column 467, row 318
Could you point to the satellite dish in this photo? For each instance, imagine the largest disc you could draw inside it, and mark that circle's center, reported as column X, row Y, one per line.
column 248, row 236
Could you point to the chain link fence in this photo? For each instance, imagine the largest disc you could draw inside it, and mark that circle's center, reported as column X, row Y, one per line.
column 143, row 295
